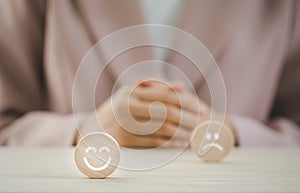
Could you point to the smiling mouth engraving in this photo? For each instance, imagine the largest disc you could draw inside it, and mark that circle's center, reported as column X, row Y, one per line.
column 96, row 168
column 205, row 147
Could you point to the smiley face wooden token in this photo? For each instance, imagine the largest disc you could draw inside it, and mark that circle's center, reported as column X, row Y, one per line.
column 97, row 155
column 212, row 141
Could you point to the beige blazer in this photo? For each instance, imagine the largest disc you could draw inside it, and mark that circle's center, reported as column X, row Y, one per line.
column 255, row 43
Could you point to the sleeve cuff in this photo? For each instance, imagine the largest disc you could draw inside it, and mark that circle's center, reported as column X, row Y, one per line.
column 40, row 129
column 251, row 132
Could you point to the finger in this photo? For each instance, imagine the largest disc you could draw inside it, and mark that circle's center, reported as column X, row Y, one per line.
column 176, row 143
column 129, row 140
column 169, row 95
column 170, row 130
column 140, row 109
column 140, row 141
column 181, row 117
column 144, row 83
column 177, row 86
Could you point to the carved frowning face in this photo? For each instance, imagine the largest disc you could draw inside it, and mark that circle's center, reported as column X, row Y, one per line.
column 212, row 141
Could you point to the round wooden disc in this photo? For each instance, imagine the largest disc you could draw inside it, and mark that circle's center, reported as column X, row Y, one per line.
column 212, row 141
column 97, row 155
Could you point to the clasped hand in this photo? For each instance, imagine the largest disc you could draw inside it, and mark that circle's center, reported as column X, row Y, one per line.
column 176, row 115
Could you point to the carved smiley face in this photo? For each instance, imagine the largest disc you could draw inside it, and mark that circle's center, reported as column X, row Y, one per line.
column 212, row 141
column 97, row 155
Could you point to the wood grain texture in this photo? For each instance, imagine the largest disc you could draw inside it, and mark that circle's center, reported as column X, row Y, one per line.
column 243, row 170
column 97, row 155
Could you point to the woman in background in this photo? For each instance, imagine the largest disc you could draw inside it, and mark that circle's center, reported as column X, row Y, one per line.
column 255, row 43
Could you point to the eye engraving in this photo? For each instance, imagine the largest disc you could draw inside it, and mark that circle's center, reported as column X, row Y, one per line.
column 208, row 136
column 216, row 136
column 93, row 149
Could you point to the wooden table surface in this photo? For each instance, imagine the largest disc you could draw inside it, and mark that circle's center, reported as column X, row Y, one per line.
column 244, row 170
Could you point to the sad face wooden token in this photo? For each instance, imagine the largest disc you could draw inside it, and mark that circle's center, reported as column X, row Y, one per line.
column 212, row 141
column 97, row 155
